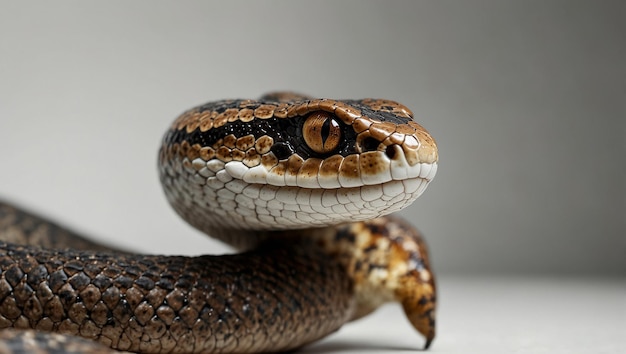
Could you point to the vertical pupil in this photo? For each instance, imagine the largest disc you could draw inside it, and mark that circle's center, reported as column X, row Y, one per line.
column 326, row 130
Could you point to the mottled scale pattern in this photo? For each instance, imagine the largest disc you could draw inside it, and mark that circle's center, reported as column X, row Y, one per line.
column 388, row 259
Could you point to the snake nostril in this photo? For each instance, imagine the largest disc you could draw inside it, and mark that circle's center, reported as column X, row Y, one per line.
column 390, row 151
column 369, row 144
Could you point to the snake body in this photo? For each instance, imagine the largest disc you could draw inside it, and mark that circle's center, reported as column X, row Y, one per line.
column 300, row 185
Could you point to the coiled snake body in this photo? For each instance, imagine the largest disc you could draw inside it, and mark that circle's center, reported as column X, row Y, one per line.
column 300, row 185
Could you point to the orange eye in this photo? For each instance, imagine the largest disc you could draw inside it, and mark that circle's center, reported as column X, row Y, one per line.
column 321, row 132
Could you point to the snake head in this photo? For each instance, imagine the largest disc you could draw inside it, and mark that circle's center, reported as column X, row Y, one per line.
column 268, row 165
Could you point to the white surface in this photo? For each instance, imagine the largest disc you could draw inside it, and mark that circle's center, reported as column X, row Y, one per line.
column 501, row 315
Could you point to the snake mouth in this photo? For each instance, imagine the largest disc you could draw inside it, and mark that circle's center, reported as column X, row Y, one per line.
column 318, row 203
column 229, row 199
column 277, row 196
column 369, row 168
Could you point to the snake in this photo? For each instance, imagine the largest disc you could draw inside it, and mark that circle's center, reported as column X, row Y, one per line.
column 302, row 187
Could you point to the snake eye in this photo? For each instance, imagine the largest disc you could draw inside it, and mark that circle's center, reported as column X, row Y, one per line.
column 321, row 132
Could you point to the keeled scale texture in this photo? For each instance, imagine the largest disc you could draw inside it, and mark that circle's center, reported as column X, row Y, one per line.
column 276, row 298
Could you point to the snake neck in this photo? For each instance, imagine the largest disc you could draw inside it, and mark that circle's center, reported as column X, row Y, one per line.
column 387, row 261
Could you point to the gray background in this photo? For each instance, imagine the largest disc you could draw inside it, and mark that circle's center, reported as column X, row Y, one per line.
column 526, row 100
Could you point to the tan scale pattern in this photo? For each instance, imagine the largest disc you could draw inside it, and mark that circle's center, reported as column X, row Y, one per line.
column 405, row 276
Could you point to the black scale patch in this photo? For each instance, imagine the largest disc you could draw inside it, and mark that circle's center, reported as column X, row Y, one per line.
column 286, row 132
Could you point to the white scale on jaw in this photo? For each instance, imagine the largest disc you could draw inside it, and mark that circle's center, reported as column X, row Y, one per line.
column 255, row 198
